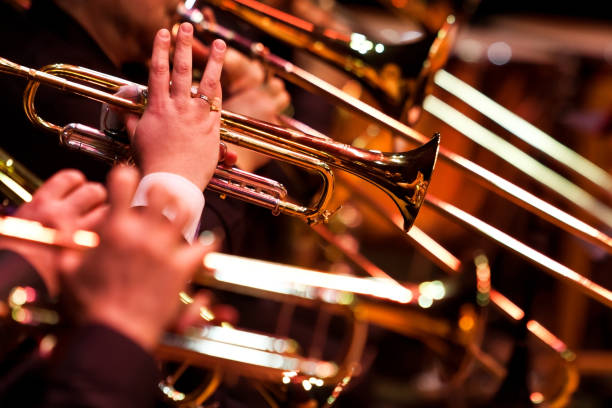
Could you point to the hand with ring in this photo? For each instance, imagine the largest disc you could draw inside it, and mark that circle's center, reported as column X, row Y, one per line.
column 179, row 133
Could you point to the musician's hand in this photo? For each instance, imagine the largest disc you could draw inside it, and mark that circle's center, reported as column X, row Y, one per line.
column 249, row 93
column 252, row 95
column 131, row 281
column 177, row 133
column 67, row 201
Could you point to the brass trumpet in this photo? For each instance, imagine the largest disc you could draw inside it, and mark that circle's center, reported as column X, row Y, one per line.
column 399, row 75
column 304, row 35
column 403, row 176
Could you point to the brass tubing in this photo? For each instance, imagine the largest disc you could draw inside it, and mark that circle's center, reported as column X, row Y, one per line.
column 403, row 176
column 310, row 82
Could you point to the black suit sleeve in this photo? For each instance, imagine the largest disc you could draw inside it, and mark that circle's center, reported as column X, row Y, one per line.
column 95, row 366
column 91, row 366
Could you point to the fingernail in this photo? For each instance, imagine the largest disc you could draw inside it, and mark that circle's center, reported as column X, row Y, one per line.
column 219, row 45
column 186, row 28
column 207, row 238
column 163, row 34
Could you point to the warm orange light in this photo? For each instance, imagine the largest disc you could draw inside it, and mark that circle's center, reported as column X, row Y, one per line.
column 434, row 248
column 34, row 231
column 547, row 337
column 300, row 282
column 399, row 3
column 47, row 344
column 506, row 305
column 277, row 14
column 86, row 238
column 466, row 323
column 18, row 297
column 536, row 397
column 26, row 229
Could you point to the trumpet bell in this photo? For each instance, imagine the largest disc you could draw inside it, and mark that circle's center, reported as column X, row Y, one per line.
column 399, row 175
column 405, row 177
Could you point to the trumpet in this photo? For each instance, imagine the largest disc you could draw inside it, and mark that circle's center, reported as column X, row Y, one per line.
column 395, row 73
column 16, row 182
column 403, row 176
column 303, row 35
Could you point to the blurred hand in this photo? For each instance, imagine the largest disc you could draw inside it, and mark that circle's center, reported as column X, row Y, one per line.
column 177, row 133
column 254, row 96
column 67, row 201
column 250, row 93
column 247, row 88
column 131, row 281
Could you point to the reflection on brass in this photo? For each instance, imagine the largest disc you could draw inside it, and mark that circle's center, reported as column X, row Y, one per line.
column 335, row 48
column 16, row 182
column 310, row 152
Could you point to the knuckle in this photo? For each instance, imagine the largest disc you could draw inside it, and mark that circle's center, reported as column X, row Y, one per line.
column 182, row 67
column 160, row 67
column 181, row 105
column 284, row 100
column 210, row 84
column 257, row 74
column 276, row 85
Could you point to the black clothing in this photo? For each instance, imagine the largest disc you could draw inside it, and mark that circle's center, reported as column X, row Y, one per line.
column 91, row 365
column 45, row 36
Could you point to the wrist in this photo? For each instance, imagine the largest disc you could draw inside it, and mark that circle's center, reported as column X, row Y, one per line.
column 199, row 178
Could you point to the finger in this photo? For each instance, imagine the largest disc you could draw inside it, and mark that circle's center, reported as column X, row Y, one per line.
column 210, row 84
column 225, row 314
column 86, row 197
column 158, row 198
column 275, row 86
column 131, row 122
column 242, row 72
column 189, row 258
column 181, row 69
column 282, row 101
column 159, row 75
column 122, row 184
column 93, row 219
column 161, row 202
column 61, row 184
column 230, row 159
column 179, row 215
column 192, row 313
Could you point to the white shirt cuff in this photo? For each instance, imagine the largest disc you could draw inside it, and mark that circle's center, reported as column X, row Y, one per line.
column 179, row 186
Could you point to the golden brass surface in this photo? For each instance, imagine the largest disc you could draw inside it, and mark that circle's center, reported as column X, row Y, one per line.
column 394, row 173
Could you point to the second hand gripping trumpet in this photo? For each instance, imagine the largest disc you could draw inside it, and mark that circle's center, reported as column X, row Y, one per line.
column 403, row 176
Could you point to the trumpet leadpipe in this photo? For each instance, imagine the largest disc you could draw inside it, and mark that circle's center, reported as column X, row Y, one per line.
column 403, row 176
